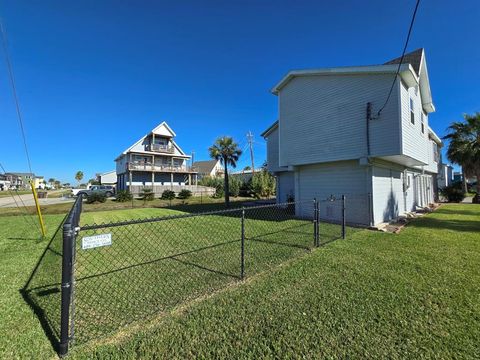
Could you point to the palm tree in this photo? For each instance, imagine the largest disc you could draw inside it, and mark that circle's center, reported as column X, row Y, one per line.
column 79, row 176
column 464, row 147
column 227, row 151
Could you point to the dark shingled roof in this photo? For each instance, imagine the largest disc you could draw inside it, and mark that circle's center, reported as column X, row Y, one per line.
column 413, row 58
column 205, row 167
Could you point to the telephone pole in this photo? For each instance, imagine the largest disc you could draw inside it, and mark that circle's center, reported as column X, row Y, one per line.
column 250, row 144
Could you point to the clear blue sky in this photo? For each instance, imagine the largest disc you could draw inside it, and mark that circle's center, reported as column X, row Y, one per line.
column 94, row 76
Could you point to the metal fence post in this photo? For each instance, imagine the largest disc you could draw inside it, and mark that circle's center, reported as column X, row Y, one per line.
column 315, row 222
column 318, row 223
column 242, row 254
column 344, row 233
column 67, row 263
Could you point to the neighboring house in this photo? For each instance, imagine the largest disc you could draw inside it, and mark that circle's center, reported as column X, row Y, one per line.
column 4, row 182
column 328, row 139
column 154, row 161
column 107, row 178
column 445, row 175
column 39, row 182
column 20, row 180
column 211, row 168
column 245, row 175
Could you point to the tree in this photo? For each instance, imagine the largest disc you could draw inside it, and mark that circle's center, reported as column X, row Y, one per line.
column 464, row 147
column 227, row 151
column 51, row 181
column 79, row 176
column 246, row 168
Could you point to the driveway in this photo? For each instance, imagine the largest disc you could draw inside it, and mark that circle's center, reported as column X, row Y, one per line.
column 27, row 199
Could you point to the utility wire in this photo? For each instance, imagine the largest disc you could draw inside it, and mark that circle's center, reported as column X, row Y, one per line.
column 401, row 59
column 14, row 91
column 27, row 218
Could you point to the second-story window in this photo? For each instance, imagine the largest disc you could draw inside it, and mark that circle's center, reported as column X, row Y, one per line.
column 412, row 111
column 423, row 123
column 435, row 152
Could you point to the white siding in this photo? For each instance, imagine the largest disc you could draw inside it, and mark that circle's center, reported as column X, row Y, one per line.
column 285, row 186
column 272, row 152
column 121, row 165
column 323, row 118
column 323, row 180
column 432, row 166
column 415, row 143
column 388, row 199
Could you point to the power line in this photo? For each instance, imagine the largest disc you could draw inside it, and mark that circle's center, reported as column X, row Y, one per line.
column 14, row 91
column 401, row 59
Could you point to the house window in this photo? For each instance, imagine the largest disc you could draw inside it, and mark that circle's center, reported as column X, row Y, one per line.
column 412, row 112
column 423, row 123
column 435, row 152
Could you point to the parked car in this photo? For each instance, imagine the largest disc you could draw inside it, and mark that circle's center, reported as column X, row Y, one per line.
column 108, row 190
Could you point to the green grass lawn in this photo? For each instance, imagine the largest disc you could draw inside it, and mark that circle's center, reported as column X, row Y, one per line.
column 415, row 294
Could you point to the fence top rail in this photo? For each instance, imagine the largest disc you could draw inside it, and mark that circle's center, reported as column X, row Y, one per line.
column 183, row 216
column 74, row 211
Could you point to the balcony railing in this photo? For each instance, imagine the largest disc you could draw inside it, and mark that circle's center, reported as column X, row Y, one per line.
column 160, row 148
column 157, row 167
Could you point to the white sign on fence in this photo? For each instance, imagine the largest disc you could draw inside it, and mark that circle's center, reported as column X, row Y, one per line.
column 90, row 242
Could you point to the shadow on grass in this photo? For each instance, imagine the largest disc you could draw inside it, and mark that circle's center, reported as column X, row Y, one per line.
column 451, row 211
column 453, row 225
column 42, row 290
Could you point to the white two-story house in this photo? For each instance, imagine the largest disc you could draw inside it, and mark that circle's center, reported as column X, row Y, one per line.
column 155, row 161
column 330, row 140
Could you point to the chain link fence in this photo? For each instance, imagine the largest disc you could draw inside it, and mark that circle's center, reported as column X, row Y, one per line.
column 114, row 274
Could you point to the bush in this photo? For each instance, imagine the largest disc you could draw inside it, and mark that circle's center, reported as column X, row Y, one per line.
column 124, row 196
column 234, row 185
column 453, row 193
column 147, row 195
column 214, row 182
column 96, row 197
column 168, row 195
column 185, row 194
column 263, row 184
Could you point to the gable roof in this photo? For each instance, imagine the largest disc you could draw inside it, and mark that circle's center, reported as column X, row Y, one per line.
column 413, row 71
column 413, row 58
column 162, row 129
column 269, row 129
column 205, row 167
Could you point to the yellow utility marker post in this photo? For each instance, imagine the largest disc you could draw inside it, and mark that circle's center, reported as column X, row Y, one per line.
column 39, row 212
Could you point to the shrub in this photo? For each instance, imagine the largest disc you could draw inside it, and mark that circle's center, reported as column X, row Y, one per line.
column 234, row 185
column 246, row 189
column 168, row 195
column 214, row 182
column 453, row 193
column 185, row 194
column 147, row 194
column 263, row 184
column 96, row 197
column 124, row 196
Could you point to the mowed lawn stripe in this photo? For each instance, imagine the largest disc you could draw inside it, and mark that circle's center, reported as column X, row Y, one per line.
column 412, row 295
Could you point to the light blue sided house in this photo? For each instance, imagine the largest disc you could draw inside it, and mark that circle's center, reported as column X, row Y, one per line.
column 155, row 161
column 330, row 140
